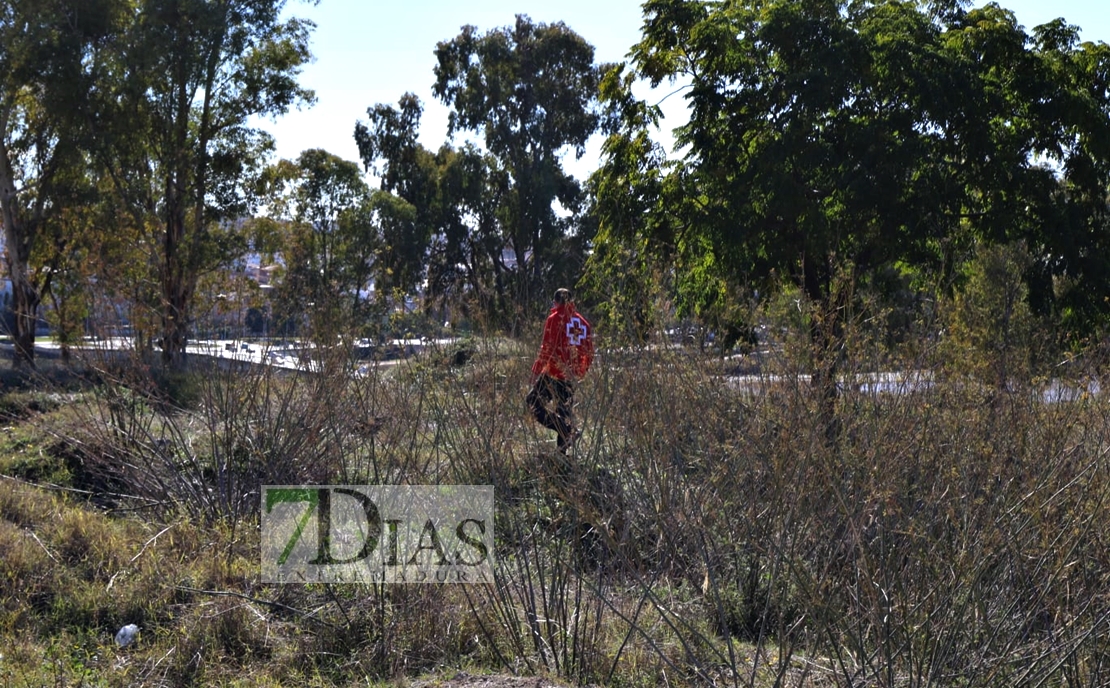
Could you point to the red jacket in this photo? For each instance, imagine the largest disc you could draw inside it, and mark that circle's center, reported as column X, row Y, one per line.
column 568, row 344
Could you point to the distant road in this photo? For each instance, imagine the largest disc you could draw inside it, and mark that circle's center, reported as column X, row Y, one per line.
column 286, row 355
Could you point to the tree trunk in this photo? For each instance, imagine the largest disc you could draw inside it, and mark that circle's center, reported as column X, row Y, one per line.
column 17, row 234
column 826, row 333
column 175, row 283
column 26, row 301
column 175, row 268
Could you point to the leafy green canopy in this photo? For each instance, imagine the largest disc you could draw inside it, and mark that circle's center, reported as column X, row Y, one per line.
column 320, row 219
column 170, row 120
column 451, row 241
column 828, row 134
column 530, row 90
column 47, row 52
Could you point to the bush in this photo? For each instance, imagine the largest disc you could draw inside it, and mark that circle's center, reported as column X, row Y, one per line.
column 706, row 529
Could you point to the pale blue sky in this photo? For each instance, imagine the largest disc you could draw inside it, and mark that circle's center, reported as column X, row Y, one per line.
column 370, row 51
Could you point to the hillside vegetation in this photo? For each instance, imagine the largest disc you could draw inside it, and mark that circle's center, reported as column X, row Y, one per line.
column 708, row 528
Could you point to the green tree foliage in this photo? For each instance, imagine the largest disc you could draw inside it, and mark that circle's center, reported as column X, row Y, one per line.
column 990, row 325
column 828, row 139
column 401, row 260
column 71, row 234
column 388, row 146
column 530, row 90
column 629, row 272
column 457, row 194
column 467, row 265
column 172, row 117
column 408, row 206
column 323, row 223
column 47, row 56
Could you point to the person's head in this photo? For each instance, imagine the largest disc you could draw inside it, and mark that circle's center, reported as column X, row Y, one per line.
column 562, row 296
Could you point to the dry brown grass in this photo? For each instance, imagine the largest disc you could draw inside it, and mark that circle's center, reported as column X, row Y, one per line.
column 954, row 535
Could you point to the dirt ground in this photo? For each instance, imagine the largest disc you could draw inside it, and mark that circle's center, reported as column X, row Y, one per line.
column 465, row 680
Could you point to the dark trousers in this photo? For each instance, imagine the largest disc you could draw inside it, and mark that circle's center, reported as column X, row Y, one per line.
column 547, row 390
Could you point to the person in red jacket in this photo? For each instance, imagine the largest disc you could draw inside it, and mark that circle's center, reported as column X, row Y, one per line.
column 565, row 356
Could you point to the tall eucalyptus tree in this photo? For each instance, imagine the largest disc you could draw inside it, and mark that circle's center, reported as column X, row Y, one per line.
column 175, row 129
